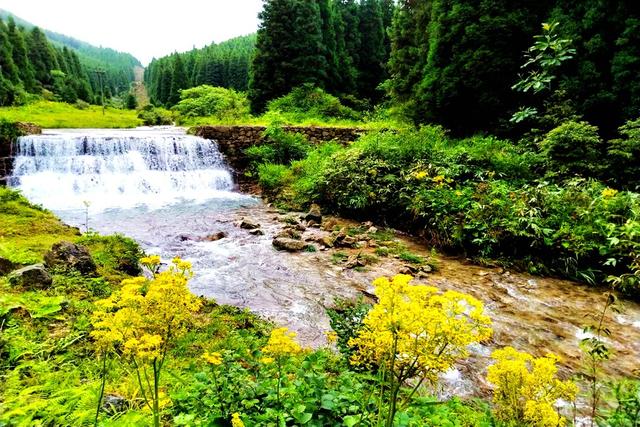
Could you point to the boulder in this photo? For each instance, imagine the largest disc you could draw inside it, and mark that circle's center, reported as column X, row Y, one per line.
column 314, row 214
column 248, row 224
column 114, row 404
column 289, row 245
column 31, row 277
column 69, row 256
column 346, row 242
column 289, row 233
column 329, row 225
column 215, row 236
column 6, row 266
column 256, row 232
column 327, row 241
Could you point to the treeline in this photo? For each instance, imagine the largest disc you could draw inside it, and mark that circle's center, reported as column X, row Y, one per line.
column 341, row 46
column 222, row 65
column 49, row 54
column 455, row 62
column 30, row 64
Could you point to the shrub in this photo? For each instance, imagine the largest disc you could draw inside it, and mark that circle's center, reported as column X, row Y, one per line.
column 281, row 147
column 153, row 116
column 216, row 102
column 623, row 156
column 114, row 253
column 310, row 101
column 272, row 177
column 573, row 148
column 526, row 389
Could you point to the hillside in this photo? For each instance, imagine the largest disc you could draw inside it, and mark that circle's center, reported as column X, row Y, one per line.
column 118, row 65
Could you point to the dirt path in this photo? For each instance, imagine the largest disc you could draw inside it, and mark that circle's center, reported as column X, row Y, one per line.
column 139, row 89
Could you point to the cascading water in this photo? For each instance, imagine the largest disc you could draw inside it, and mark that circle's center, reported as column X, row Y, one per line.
column 107, row 169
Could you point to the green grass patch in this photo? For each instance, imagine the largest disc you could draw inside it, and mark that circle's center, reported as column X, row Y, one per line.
column 52, row 115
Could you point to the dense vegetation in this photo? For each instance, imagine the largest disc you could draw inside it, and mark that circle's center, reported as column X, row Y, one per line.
column 117, row 66
column 222, row 65
column 541, row 208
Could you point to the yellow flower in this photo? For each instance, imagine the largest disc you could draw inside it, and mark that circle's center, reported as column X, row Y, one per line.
column 332, row 336
column 438, row 179
column 607, row 193
column 459, row 193
column 420, row 175
column 526, row 388
column 214, row 358
column 151, row 260
column 282, row 343
column 418, row 328
column 267, row 360
column 236, row 421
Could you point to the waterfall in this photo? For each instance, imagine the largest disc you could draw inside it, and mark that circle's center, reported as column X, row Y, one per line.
column 119, row 169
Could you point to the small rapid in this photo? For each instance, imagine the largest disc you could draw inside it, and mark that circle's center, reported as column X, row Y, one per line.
column 108, row 169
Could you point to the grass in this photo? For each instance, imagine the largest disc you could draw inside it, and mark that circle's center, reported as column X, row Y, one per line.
column 57, row 115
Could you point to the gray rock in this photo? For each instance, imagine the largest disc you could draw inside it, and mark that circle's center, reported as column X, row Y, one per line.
column 327, row 241
column 31, row 277
column 67, row 256
column 314, row 214
column 6, row 266
column 257, row 232
column 248, row 224
column 289, row 245
column 114, row 404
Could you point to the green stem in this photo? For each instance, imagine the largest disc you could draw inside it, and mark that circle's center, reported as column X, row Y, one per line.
column 156, row 397
column 394, row 387
column 142, row 389
column 103, row 377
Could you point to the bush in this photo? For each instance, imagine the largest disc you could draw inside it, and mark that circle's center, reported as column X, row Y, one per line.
column 623, row 157
column 272, row 177
column 153, row 116
column 310, row 101
column 281, row 147
column 216, row 102
column 115, row 253
column 573, row 148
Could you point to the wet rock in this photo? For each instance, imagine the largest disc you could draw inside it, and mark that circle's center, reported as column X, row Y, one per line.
column 289, row 233
column 256, row 232
column 346, row 241
column 69, row 256
column 114, row 404
column 329, row 225
column 367, row 224
column 313, row 224
column 31, row 277
column 326, row 241
column 289, row 245
column 372, row 230
column 300, row 227
column 215, row 236
column 248, row 224
column 314, row 214
column 355, row 261
column 6, row 266
column 183, row 237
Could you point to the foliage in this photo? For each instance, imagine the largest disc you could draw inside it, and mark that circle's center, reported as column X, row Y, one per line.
column 143, row 320
column 224, row 65
column 623, row 153
column 627, row 409
column 281, row 148
column 307, row 100
column 346, row 319
column 114, row 253
column 154, row 116
column 526, row 389
column 53, row 115
column 417, row 332
column 573, row 149
column 215, row 102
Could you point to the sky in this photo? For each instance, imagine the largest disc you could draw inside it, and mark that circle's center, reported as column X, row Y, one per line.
column 144, row 28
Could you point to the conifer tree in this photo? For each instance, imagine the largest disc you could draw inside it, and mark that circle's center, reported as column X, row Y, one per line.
column 178, row 80
column 41, row 56
column 289, row 50
column 372, row 58
column 20, row 58
column 8, row 68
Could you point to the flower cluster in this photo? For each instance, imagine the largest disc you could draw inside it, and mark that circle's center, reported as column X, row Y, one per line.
column 608, row 193
column 143, row 315
column 418, row 329
column 282, row 343
column 214, row 358
column 526, row 389
column 236, row 421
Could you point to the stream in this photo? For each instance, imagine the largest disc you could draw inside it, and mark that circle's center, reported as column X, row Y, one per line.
column 169, row 191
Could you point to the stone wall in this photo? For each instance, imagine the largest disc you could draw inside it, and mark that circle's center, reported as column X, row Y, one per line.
column 233, row 140
column 7, row 138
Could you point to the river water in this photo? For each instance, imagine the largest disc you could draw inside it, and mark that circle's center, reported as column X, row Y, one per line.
column 169, row 191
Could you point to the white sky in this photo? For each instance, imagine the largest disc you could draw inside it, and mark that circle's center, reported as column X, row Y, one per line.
column 144, row 28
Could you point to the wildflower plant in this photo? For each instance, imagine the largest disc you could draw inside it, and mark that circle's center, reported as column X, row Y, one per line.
column 416, row 332
column 142, row 320
column 526, row 389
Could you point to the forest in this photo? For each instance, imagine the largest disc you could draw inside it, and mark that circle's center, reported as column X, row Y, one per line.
column 486, row 217
column 39, row 64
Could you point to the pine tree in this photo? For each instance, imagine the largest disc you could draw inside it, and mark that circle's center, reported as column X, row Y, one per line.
column 178, row 80
column 348, row 40
column 41, row 56
column 371, row 64
column 329, row 45
column 8, row 68
column 289, row 50
column 20, row 58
